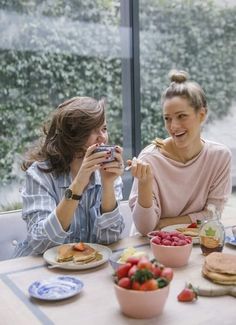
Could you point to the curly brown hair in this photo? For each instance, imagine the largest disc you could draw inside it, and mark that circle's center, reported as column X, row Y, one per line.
column 66, row 133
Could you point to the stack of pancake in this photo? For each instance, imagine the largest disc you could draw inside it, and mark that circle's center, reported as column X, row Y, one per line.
column 220, row 268
column 67, row 252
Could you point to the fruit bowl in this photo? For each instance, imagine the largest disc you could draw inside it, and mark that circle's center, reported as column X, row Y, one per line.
column 172, row 255
column 141, row 304
column 142, row 287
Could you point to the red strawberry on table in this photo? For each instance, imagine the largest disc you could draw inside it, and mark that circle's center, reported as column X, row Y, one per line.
column 187, row 294
column 192, row 225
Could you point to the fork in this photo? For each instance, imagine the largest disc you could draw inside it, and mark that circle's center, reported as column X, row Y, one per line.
column 133, row 163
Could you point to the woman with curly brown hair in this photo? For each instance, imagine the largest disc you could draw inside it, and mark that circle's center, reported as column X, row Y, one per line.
column 72, row 189
column 180, row 178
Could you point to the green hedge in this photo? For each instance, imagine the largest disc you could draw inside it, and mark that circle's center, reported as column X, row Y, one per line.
column 192, row 35
column 196, row 36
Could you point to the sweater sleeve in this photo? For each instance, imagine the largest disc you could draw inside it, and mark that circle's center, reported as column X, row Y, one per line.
column 220, row 189
column 145, row 219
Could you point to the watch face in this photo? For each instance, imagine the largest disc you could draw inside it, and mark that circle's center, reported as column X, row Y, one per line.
column 68, row 193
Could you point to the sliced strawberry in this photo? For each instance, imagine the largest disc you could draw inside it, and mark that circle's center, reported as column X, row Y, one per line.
column 79, row 247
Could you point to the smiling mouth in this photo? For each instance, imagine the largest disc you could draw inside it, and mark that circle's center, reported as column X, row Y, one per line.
column 178, row 135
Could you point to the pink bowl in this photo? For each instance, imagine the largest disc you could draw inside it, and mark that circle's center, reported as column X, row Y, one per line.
column 172, row 256
column 141, row 304
column 153, row 233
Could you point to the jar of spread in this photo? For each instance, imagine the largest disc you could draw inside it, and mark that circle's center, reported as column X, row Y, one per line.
column 212, row 233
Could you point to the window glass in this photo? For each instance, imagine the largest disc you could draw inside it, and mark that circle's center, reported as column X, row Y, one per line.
column 51, row 51
column 199, row 37
column 195, row 36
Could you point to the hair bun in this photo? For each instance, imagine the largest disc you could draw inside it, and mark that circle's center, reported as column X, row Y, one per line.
column 178, row 76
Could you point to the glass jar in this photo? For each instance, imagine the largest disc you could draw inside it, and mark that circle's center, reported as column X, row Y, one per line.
column 212, row 232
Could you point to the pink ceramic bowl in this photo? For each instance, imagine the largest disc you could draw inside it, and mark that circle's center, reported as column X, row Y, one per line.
column 172, row 256
column 141, row 304
column 153, row 233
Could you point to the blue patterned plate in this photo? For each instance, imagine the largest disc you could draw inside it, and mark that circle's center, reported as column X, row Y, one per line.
column 230, row 240
column 56, row 288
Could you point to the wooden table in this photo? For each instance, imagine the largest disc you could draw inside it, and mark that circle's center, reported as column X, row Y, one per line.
column 97, row 304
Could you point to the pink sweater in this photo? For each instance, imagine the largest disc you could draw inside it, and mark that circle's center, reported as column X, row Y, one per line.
column 183, row 189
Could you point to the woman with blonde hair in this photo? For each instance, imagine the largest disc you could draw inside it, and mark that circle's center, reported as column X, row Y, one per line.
column 72, row 190
column 177, row 179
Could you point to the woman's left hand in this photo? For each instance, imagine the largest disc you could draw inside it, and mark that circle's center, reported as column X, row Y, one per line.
column 111, row 170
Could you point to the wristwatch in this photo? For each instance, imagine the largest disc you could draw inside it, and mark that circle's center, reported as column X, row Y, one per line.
column 70, row 196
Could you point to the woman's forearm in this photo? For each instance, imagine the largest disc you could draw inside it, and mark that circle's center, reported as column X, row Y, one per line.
column 108, row 197
column 66, row 208
column 173, row 221
column 145, row 193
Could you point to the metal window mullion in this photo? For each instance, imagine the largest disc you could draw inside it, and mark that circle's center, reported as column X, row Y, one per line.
column 131, row 79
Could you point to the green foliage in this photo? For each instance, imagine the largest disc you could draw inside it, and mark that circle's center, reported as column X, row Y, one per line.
column 196, row 36
column 46, row 64
column 35, row 80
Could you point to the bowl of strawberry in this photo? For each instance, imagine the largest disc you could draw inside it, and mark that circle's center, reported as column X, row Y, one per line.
column 172, row 249
column 142, row 287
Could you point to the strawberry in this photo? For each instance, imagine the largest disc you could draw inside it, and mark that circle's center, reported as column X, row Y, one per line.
column 79, row 247
column 192, row 225
column 123, row 270
column 132, row 270
column 156, row 270
column 167, row 273
column 187, row 294
column 136, row 285
column 133, row 260
column 149, row 285
column 144, row 263
column 125, row 283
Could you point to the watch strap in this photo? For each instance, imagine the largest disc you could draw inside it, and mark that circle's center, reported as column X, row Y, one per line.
column 76, row 197
column 69, row 195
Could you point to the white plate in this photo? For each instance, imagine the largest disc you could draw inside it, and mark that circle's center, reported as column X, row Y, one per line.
column 230, row 240
column 51, row 254
column 56, row 288
column 182, row 225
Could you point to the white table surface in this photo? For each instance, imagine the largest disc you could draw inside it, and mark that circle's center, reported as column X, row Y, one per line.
column 97, row 304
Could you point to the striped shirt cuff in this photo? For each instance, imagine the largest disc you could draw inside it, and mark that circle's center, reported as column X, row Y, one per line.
column 54, row 229
column 108, row 219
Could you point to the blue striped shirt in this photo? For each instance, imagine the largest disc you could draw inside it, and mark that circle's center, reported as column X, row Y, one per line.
column 43, row 192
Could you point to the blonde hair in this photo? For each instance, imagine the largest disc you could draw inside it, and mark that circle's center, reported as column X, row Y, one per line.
column 181, row 87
